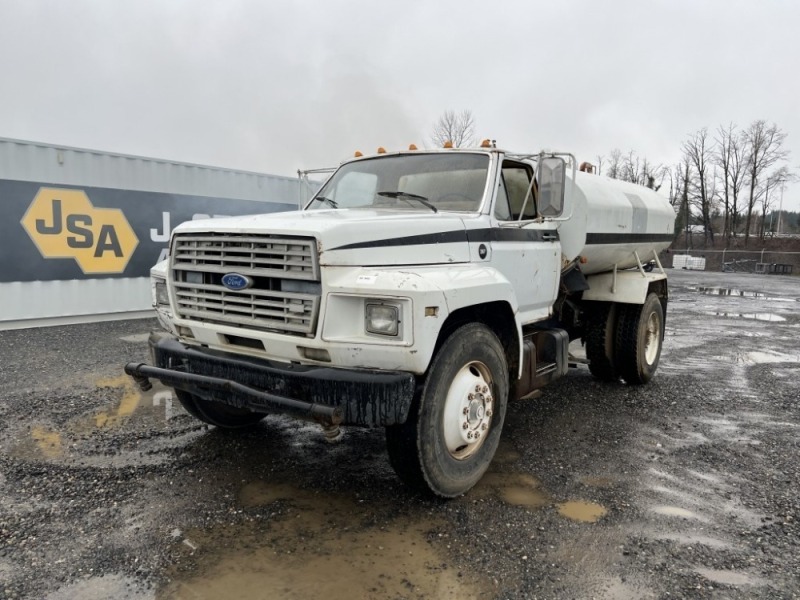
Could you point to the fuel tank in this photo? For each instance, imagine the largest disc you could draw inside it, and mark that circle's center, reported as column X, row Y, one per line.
column 612, row 219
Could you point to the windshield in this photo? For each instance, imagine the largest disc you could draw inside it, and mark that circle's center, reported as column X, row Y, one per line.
column 422, row 182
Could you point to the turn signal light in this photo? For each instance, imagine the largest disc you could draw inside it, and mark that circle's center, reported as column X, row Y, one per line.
column 319, row 354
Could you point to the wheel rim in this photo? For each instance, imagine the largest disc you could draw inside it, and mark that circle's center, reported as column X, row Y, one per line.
column 652, row 341
column 468, row 410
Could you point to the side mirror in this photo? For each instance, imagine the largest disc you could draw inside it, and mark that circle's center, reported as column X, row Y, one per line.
column 551, row 186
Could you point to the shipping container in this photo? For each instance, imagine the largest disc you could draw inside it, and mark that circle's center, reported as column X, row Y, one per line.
column 80, row 228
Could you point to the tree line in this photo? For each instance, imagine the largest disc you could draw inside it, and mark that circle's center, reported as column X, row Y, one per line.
column 727, row 182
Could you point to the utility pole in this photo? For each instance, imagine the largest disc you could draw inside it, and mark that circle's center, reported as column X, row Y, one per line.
column 780, row 210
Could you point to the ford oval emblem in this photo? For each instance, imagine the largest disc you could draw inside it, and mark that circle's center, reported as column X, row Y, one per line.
column 236, row 281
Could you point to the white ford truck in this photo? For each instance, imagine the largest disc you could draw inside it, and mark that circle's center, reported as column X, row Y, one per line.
column 420, row 291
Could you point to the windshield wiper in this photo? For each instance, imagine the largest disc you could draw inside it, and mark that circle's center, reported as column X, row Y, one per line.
column 328, row 201
column 409, row 196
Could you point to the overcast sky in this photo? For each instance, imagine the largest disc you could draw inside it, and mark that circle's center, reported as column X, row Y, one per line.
column 276, row 86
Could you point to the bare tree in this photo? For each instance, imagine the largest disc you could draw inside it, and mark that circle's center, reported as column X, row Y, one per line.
column 631, row 167
column 675, row 175
column 634, row 168
column 698, row 153
column 683, row 175
column 614, row 169
column 652, row 175
column 765, row 149
column 729, row 157
column 772, row 183
column 458, row 128
column 599, row 158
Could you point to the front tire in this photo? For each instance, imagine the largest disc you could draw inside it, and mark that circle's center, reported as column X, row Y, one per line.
column 216, row 413
column 454, row 426
column 640, row 333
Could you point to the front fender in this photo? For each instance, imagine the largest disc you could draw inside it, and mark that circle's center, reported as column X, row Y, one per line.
column 433, row 293
column 464, row 286
column 469, row 285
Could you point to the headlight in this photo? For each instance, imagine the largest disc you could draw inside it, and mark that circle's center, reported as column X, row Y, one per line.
column 382, row 319
column 161, row 295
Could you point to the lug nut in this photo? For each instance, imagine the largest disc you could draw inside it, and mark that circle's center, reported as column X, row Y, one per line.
column 484, row 426
column 469, row 435
column 477, row 434
column 471, row 396
column 488, row 412
column 485, row 389
column 465, row 410
column 465, row 425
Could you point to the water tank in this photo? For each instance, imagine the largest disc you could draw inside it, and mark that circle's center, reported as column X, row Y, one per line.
column 612, row 219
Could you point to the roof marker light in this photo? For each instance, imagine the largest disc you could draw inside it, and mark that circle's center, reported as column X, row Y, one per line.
column 487, row 143
column 412, row 147
column 358, row 154
column 448, row 144
column 381, row 150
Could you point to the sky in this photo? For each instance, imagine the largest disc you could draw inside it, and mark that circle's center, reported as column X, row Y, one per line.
column 274, row 87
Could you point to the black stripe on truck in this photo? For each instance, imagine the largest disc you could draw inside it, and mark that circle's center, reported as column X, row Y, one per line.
column 626, row 238
column 448, row 237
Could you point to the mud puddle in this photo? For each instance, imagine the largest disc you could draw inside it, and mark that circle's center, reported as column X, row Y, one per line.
column 132, row 413
column 502, row 481
column 516, row 489
column 740, row 293
column 318, row 544
column 759, row 316
column 723, row 291
column 579, row 510
column 770, row 356
column 525, row 490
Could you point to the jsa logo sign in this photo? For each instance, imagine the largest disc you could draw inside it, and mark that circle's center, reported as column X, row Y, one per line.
column 64, row 224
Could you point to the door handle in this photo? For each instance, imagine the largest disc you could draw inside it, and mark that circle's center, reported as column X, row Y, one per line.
column 549, row 237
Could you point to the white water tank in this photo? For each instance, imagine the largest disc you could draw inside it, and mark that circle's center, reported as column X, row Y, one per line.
column 612, row 219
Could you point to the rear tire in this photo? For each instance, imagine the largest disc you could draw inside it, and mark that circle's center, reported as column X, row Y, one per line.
column 454, row 425
column 216, row 413
column 640, row 333
column 601, row 332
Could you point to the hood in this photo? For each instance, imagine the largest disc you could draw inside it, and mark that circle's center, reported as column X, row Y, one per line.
column 358, row 236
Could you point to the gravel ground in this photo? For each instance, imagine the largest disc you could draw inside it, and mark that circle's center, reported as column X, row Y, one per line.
column 684, row 488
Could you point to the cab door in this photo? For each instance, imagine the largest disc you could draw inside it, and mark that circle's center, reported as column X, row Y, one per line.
column 525, row 250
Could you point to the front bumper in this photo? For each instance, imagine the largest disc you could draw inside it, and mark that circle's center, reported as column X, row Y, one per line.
column 325, row 394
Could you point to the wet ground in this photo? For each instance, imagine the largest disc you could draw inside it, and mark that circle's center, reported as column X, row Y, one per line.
column 687, row 487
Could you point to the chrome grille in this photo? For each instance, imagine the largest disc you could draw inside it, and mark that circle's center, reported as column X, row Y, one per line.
column 277, row 301
column 254, row 255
